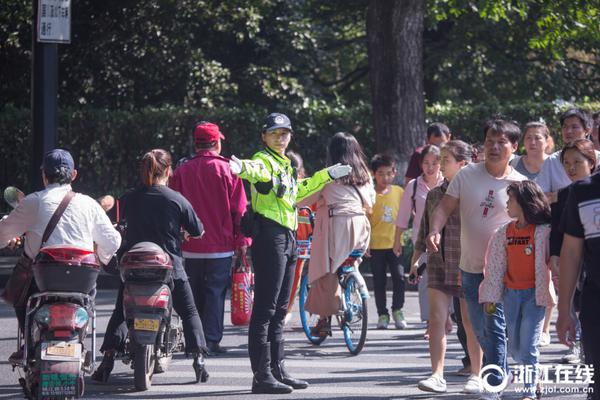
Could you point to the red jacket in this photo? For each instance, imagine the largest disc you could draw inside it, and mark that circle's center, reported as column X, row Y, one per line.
column 219, row 199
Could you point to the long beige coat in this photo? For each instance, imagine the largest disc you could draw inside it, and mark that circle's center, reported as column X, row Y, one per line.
column 336, row 236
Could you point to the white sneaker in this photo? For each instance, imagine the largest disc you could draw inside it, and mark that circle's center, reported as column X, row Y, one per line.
column 573, row 356
column 399, row 320
column 473, row 385
column 287, row 318
column 544, row 339
column 383, row 321
column 433, row 384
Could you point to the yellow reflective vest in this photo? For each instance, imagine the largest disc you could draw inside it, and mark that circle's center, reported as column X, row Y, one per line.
column 275, row 189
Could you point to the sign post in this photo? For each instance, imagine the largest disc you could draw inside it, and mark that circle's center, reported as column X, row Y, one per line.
column 52, row 25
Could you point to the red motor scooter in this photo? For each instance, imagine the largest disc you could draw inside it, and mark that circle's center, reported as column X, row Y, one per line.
column 58, row 319
column 155, row 332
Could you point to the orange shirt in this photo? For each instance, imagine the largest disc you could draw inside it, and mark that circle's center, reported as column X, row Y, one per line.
column 520, row 257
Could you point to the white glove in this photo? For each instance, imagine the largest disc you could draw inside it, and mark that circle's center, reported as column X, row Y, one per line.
column 338, row 170
column 236, row 165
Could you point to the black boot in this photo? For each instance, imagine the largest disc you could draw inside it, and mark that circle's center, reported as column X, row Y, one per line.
column 200, row 369
column 278, row 367
column 106, row 366
column 263, row 381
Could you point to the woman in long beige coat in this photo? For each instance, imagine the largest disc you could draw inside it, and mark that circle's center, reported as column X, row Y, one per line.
column 341, row 226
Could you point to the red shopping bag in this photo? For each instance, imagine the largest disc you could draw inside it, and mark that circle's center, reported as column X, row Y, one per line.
column 242, row 292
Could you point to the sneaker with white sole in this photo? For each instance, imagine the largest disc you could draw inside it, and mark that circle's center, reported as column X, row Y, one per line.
column 473, row 385
column 383, row 321
column 544, row 339
column 433, row 384
column 399, row 320
column 573, row 356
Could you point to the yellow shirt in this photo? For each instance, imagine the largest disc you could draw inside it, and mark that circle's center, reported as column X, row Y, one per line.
column 383, row 218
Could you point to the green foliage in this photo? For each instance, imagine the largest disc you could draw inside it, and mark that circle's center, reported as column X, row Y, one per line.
column 106, row 144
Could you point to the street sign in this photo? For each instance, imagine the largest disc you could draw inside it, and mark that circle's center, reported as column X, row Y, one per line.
column 54, row 21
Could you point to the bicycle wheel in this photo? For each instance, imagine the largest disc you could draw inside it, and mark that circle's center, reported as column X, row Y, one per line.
column 307, row 320
column 355, row 321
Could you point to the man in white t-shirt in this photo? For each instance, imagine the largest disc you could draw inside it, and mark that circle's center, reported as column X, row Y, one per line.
column 480, row 192
column 575, row 123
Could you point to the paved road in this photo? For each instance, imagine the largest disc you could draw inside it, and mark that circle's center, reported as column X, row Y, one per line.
column 388, row 367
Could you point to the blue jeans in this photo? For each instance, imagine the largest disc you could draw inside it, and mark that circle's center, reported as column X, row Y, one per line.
column 490, row 329
column 524, row 323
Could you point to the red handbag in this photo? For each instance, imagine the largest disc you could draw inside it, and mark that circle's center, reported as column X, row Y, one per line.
column 242, row 292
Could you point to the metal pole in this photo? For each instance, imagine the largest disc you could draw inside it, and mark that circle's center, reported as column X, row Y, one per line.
column 44, row 93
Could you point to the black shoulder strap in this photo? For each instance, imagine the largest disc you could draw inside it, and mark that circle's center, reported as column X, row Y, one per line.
column 56, row 216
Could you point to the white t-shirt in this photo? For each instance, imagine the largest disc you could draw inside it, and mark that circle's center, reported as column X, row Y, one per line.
column 482, row 201
column 552, row 176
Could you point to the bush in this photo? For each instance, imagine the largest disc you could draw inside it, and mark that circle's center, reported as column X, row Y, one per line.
column 106, row 144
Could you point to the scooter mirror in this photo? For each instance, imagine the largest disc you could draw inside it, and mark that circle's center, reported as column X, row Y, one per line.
column 13, row 196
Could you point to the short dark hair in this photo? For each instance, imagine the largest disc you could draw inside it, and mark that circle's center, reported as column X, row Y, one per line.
column 584, row 117
column 460, row 150
column 62, row 175
column 532, row 200
column 502, row 126
column 382, row 160
column 430, row 149
column 437, row 129
column 585, row 147
column 536, row 125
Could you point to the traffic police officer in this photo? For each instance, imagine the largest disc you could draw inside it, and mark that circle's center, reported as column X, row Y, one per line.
column 275, row 191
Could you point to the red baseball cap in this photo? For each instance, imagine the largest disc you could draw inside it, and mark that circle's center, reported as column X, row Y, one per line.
column 206, row 132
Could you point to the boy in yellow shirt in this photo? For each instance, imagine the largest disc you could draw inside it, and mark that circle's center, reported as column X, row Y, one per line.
column 383, row 228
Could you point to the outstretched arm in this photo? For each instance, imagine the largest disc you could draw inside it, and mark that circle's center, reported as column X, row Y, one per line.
column 442, row 212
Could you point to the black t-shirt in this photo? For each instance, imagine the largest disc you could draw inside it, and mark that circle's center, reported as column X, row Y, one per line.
column 581, row 218
column 157, row 214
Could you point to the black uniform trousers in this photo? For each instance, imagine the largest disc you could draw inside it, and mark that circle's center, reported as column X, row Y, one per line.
column 274, row 260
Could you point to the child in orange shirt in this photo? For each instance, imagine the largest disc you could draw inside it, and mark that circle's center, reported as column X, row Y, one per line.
column 517, row 273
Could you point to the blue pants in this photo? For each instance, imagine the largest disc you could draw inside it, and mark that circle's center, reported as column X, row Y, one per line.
column 524, row 324
column 209, row 279
column 490, row 329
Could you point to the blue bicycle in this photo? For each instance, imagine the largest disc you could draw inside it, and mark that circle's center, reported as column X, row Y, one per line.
column 353, row 318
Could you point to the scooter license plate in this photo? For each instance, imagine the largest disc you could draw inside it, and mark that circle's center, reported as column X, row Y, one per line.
column 61, row 351
column 68, row 350
column 145, row 324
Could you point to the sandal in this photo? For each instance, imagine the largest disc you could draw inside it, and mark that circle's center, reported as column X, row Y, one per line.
column 323, row 328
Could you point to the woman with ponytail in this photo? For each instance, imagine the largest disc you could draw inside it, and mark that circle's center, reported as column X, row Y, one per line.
column 155, row 213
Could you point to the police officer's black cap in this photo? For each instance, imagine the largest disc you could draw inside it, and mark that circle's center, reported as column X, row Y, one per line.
column 277, row 121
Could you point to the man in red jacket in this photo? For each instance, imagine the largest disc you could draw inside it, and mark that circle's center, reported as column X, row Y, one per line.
column 219, row 199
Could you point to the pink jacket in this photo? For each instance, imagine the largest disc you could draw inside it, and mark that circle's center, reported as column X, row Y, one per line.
column 219, row 199
column 491, row 289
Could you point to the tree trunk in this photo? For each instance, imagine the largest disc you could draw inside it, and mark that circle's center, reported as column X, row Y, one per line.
column 395, row 49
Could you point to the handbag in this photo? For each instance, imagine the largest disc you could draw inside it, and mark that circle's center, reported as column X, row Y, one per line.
column 18, row 284
column 242, row 292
